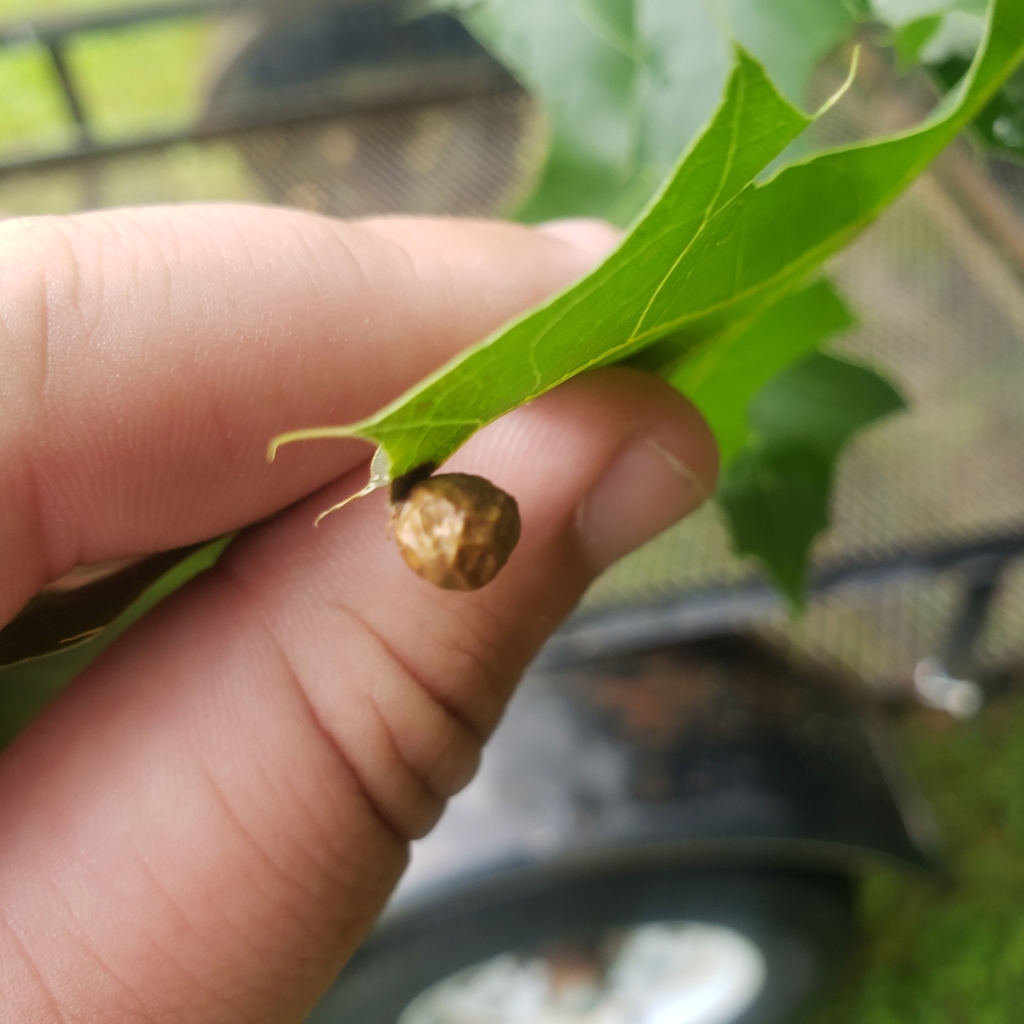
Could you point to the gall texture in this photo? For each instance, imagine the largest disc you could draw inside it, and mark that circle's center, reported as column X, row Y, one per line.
column 456, row 530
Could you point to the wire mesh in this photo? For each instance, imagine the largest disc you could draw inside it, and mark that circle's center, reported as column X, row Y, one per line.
column 470, row 156
column 461, row 158
column 1000, row 644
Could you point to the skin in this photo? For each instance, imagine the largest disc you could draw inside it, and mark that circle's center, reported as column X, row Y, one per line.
column 205, row 825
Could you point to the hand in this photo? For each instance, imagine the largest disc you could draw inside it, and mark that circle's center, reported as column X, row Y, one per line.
column 204, row 826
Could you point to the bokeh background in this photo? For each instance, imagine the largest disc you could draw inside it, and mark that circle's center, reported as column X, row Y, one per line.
column 931, row 952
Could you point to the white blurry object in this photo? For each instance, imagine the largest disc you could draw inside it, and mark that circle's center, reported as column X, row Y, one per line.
column 678, row 973
column 936, row 688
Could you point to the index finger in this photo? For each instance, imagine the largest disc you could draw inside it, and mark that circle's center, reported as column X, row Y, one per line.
column 148, row 355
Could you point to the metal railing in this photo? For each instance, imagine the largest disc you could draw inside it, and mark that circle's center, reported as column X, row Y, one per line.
column 420, row 81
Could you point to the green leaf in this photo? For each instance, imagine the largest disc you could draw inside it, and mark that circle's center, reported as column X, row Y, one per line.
column 722, row 379
column 947, row 52
column 613, row 312
column 776, row 501
column 1000, row 125
column 772, row 235
column 820, row 402
column 789, row 37
column 912, row 38
column 900, row 13
column 58, row 620
column 626, row 84
column 26, row 687
column 654, row 71
column 714, row 250
column 590, row 43
column 775, row 492
column 710, row 257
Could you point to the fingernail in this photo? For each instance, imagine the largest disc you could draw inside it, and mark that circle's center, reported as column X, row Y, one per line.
column 644, row 490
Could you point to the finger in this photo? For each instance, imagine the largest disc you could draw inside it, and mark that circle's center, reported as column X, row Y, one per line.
column 147, row 356
column 215, row 812
column 626, row 476
column 585, row 233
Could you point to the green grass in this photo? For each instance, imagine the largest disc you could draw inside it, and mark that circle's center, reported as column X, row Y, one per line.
column 32, row 113
column 143, row 79
column 949, row 955
column 13, row 10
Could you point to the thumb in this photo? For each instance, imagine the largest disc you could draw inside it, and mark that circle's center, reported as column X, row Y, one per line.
column 597, row 468
column 216, row 812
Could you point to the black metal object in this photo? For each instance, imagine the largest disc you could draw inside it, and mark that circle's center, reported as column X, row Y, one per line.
column 683, row 782
column 800, row 922
column 981, row 587
column 688, row 747
column 949, row 680
column 293, row 73
column 54, row 34
column 701, row 612
column 55, row 46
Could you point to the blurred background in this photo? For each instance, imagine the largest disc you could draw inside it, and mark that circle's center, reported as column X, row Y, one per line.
column 917, row 606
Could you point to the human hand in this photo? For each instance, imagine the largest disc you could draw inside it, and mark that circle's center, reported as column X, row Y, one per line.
column 206, row 823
